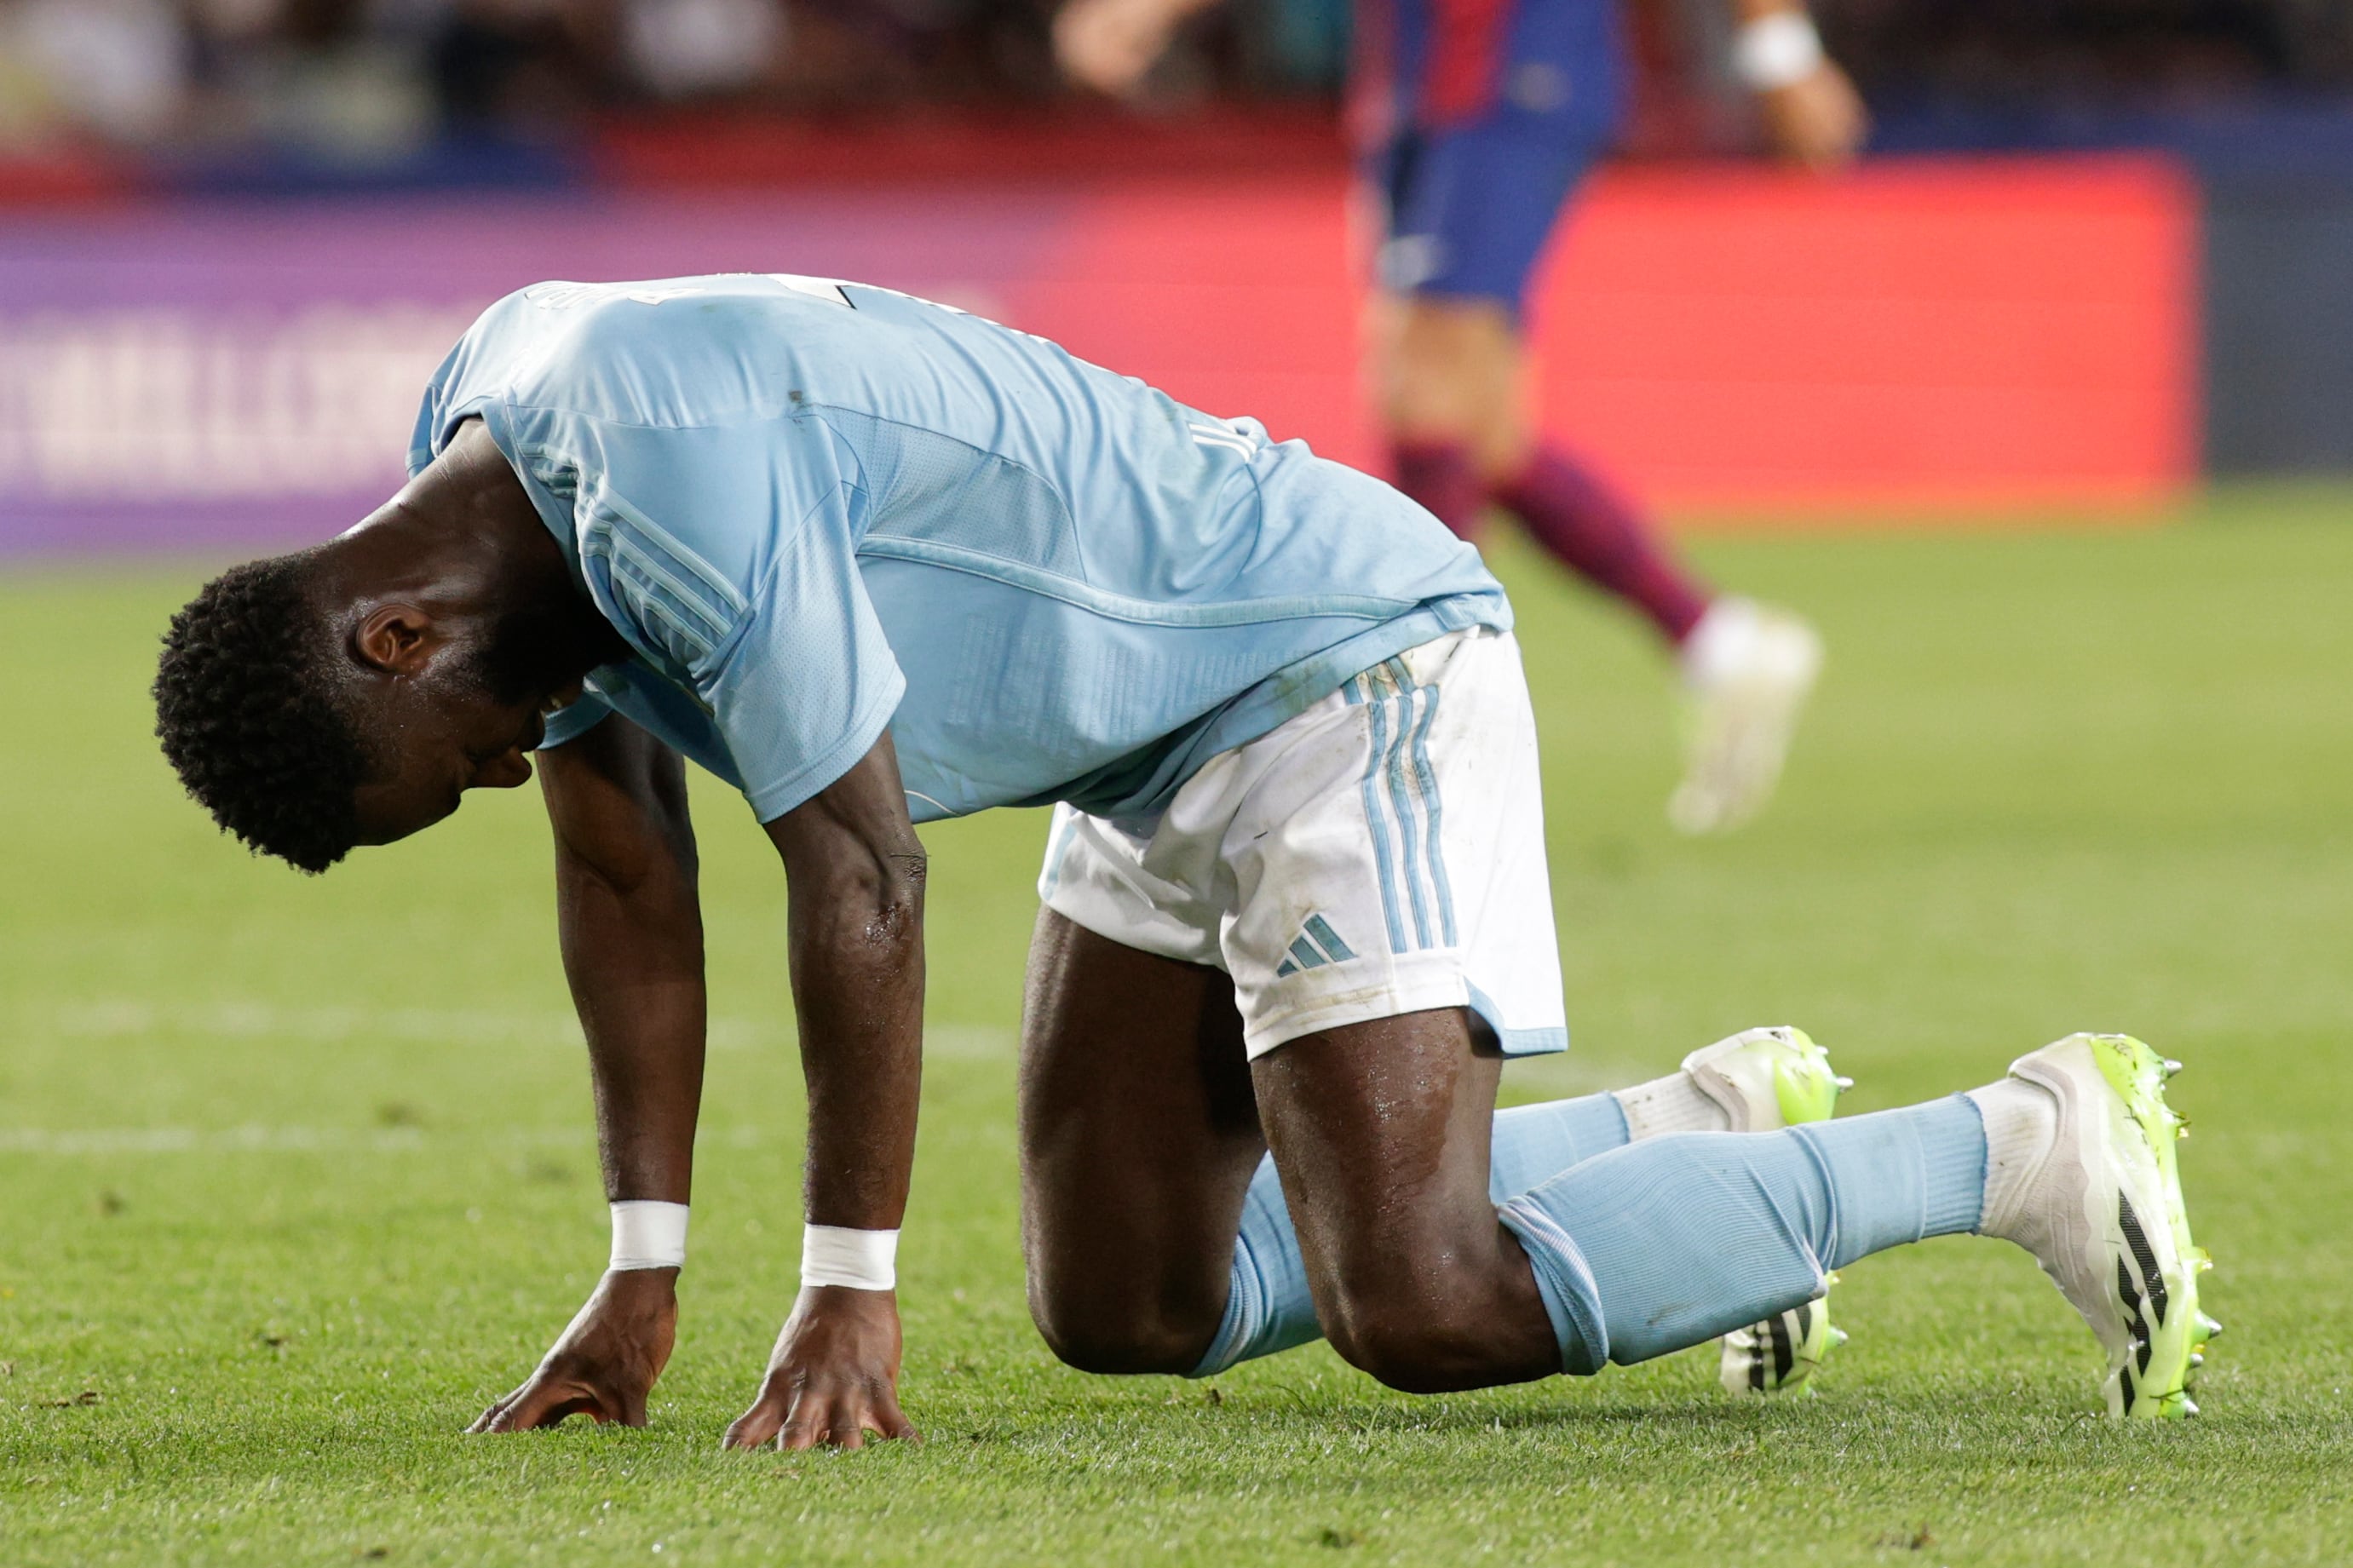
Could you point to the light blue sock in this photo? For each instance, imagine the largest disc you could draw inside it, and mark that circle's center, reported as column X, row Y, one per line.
column 1267, row 1308
column 1674, row 1240
column 1534, row 1143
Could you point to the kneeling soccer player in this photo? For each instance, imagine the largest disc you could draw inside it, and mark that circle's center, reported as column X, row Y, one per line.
column 875, row 561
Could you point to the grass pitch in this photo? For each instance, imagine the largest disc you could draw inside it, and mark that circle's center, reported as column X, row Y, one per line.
column 295, row 1175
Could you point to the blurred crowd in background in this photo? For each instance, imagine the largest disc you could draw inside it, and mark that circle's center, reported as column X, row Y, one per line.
column 375, row 78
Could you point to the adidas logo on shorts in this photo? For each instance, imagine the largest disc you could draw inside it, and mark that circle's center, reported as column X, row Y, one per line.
column 1315, row 945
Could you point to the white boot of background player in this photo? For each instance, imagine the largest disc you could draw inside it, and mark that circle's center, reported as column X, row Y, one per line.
column 1748, row 670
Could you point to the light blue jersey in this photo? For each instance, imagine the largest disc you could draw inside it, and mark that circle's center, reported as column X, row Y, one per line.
column 818, row 510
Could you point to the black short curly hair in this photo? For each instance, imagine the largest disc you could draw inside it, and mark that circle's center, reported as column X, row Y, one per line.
column 246, row 707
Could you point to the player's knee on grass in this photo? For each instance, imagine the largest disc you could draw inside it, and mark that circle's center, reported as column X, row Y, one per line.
column 1108, row 1327
column 1426, row 1326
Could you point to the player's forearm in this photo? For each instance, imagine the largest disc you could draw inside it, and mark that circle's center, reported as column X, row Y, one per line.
column 857, row 985
column 856, row 872
column 629, row 920
column 634, row 956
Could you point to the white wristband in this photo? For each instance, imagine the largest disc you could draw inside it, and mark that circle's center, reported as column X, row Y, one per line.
column 649, row 1235
column 861, row 1259
column 1779, row 49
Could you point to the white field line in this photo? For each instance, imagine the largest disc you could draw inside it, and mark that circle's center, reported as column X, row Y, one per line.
column 120, row 1019
column 255, row 1021
column 256, row 1138
column 1527, row 1079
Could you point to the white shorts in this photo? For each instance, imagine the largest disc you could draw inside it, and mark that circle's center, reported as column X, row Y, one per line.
column 1380, row 853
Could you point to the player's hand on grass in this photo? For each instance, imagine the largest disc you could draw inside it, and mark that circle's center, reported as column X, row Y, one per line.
column 607, row 1361
column 834, row 1377
column 1818, row 120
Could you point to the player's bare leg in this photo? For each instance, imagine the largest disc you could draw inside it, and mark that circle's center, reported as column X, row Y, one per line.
column 1452, row 372
column 1381, row 1132
column 1139, row 1136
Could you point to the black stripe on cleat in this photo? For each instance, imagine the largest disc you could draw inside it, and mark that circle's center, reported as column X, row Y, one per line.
column 2130, row 1222
column 2132, row 1299
column 1785, row 1355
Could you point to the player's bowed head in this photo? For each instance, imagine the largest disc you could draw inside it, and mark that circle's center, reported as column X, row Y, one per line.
column 351, row 693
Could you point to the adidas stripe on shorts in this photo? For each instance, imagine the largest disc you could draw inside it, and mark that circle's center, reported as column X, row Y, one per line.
column 1380, row 853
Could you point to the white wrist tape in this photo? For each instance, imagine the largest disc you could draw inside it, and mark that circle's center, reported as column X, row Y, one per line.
column 861, row 1259
column 649, row 1235
column 1777, row 50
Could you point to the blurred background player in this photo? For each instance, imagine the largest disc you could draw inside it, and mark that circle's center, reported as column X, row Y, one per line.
column 1478, row 119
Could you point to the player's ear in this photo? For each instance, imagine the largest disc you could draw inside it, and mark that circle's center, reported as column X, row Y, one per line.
column 397, row 638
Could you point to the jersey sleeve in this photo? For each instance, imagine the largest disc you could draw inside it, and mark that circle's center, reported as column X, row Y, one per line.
column 724, row 554
column 574, row 720
column 810, row 683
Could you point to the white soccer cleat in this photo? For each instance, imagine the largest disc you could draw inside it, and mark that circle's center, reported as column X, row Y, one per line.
column 1765, row 1080
column 2100, row 1207
column 1748, row 670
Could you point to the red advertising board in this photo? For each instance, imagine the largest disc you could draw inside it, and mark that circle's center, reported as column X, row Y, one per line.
column 1948, row 337
column 1940, row 338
